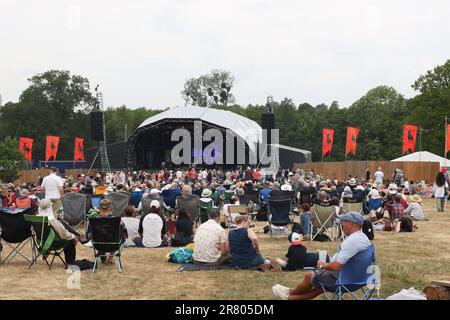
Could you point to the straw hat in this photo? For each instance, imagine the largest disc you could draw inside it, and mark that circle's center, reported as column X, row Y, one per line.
column 415, row 198
column 206, row 193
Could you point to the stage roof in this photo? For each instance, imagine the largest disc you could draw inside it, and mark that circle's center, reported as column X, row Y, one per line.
column 245, row 128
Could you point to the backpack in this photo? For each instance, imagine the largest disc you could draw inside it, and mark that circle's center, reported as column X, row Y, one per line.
column 367, row 228
column 181, row 255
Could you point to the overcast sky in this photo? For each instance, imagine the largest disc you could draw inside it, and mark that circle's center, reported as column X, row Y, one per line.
column 141, row 52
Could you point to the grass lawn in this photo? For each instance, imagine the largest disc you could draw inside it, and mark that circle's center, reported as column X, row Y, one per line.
column 406, row 260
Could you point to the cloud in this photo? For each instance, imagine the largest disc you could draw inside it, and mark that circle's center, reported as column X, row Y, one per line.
column 141, row 52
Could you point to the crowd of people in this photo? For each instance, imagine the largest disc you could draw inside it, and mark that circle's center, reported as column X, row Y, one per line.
column 160, row 218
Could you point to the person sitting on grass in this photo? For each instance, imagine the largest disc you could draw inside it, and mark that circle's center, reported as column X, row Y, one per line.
column 415, row 208
column 244, row 247
column 184, row 234
column 355, row 242
column 296, row 255
column 306, row 218
column 210, row 240
column 152, row 228
column 131, row 224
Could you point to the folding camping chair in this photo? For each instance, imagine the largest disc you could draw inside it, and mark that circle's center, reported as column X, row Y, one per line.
column 215, row 196
column 136, row 197
column 95, row 201
column 350, row 205
column 190, row 203
column 106, row 239
column 235, row 209
column 227, row 196
column 203, row 211
column 323, row 219
column 120, row 201
column 249, row 201
column 169, row 196
column 359, row 273
column 74, row 209
column 46, row 240
column 279, row 215
column 15, row 232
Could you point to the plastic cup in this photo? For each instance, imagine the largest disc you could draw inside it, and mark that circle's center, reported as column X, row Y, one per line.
column 323, row 255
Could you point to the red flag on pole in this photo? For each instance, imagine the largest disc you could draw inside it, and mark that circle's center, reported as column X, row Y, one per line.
column 51, row 147
column 327, row 141
column 26, row 146
column 352, row 135
column 447, row 140
column 409, row 138
column 79, row 149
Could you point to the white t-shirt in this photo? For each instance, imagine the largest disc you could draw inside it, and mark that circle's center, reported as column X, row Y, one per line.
column 51, row 184
column 379, row 176
column 352, row 245
column 151, row 234
column 132, row 226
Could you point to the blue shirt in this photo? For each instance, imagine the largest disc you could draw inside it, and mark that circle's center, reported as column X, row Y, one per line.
column 264, row 194
column 352, row 245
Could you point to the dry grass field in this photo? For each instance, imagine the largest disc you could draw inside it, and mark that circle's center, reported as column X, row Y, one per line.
column 406, row 260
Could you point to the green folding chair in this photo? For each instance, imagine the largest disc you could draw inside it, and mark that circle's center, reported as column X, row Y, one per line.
column 106, row 239
column 46, row 240
column 203, row 211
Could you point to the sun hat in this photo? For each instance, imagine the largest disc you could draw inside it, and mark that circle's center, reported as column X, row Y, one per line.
column 353, row 217
column 352, row 182
column 206, row 193
column 415, row 198
column 45, row 208
column 105, row 204
column 375, row 194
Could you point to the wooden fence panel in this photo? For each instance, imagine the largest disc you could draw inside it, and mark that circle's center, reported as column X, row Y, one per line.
column 341, row 170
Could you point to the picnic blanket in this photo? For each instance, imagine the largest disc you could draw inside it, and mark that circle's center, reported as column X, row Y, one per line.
column 204, row 267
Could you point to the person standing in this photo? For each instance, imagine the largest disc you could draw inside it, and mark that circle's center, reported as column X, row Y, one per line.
column 439, row 191
column 367, row 174
column 379, row 176
column 53, row 187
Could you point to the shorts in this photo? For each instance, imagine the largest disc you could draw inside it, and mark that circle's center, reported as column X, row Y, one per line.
column 325, row 278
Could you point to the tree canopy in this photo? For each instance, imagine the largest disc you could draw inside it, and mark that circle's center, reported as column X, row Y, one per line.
column 58, row 103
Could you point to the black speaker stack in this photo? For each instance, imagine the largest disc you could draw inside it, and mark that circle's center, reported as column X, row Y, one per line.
column 97, row 126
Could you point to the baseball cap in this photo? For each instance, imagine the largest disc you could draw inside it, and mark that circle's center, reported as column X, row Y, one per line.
column 353, row 217
column 105, row 204
column 154, row 203
column 295, row 238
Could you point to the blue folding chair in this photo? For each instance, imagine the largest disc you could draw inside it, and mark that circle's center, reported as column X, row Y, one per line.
column 169, row 196
column 359, row 273
column 95, row 200
column 136, row 197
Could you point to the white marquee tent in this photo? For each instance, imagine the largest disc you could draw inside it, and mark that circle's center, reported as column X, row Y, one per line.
column 425, row 156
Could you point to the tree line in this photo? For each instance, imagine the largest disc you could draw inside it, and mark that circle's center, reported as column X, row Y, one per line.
column 58, row 103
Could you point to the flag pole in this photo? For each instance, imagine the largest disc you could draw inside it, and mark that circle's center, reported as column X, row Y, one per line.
column 446, row 133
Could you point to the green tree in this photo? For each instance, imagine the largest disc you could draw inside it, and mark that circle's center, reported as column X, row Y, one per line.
column 11, row 160
column 55, row 103
column 438, row 78
column 212, row 89
column 429, row 108
column 379, row 114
